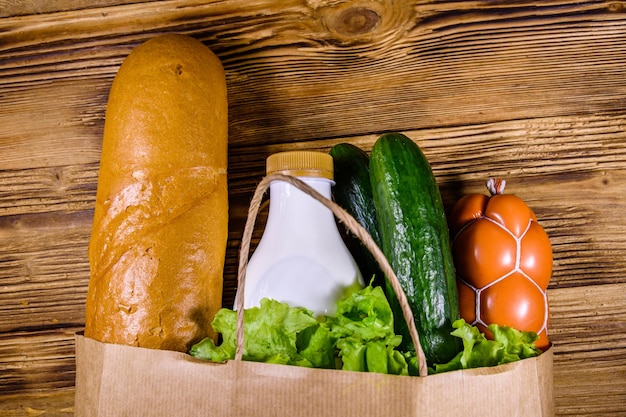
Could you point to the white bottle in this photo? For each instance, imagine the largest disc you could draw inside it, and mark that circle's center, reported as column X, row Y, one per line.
column 301, row 258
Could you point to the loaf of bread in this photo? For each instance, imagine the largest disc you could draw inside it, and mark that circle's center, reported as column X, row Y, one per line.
column 160, row 224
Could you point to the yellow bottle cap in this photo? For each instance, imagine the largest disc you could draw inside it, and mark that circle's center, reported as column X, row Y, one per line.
column 301, row 164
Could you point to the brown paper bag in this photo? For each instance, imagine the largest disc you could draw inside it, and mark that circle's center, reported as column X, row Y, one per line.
column 115, row 380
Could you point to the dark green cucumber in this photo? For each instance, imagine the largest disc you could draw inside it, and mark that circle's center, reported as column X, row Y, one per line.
column 415, row 240
column 353, row 192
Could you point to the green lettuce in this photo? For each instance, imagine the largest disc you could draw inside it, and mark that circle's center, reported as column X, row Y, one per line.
column 363, row 327
column 358, row 337
column 274, row 332
column 508, row 345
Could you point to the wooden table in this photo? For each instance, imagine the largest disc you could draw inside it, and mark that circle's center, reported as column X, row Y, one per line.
column 531, row 91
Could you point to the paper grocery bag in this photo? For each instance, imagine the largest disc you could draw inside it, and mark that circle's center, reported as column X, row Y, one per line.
column 115, row 380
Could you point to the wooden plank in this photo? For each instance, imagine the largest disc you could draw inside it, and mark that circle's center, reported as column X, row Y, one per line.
column 52, row 124
column 12, row 8
column 44, row 270
column 589, row 319
column 305, row 78
column 587, row 328
column 591, row 384
column 37, row 360
column 55, row 188
column 51, row 403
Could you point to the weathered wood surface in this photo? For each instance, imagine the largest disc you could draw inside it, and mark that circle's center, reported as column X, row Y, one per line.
column 531, row 91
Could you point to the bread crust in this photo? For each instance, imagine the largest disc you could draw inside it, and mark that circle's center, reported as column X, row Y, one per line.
column 160, row 224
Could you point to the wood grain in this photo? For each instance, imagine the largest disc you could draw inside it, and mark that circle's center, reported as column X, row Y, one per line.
column 530, row 91
column 424, row 68
column 51, row 403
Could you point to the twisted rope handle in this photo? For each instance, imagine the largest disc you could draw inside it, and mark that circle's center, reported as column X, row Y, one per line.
column 354, row 226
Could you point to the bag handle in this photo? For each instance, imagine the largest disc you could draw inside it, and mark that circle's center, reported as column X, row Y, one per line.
column 354, row 226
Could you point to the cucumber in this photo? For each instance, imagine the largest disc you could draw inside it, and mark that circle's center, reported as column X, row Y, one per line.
column 415, row 239
column 353, row 192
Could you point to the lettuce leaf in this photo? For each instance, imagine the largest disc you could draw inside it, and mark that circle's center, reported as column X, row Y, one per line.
column 274, row 332
column 508, row 345
column 363, row 327
column 358, row 337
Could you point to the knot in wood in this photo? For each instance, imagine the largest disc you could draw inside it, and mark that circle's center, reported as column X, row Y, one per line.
column 355, row 21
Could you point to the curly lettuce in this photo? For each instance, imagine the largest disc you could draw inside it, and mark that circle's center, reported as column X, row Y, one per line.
column 274, row 332
column 508, row 345
column 358, row 337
